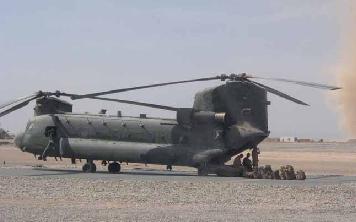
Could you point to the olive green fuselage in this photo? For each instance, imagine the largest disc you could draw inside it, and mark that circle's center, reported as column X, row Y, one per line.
column 127, row 139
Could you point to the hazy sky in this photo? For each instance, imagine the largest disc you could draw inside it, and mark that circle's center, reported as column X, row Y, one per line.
column 84, row 46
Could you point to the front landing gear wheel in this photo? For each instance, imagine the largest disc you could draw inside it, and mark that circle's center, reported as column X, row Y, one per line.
column 89, row 168
column 114, row 167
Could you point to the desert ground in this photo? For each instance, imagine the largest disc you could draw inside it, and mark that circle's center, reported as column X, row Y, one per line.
column 32, row 190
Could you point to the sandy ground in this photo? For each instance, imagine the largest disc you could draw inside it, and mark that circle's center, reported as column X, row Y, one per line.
column 314, row 158
column 27, row 194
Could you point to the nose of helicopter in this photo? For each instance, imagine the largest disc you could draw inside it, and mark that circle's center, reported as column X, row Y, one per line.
column 18, row 140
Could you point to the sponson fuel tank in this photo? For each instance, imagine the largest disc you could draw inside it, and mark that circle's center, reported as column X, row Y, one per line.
column 106, row 150
column 127, row 151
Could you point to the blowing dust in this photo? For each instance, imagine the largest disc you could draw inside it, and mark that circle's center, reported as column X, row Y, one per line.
column 346, row 76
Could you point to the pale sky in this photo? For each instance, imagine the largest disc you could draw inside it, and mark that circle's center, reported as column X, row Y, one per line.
column 85, row 46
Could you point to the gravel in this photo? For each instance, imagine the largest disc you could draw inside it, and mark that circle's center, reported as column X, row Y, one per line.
column 31, row 198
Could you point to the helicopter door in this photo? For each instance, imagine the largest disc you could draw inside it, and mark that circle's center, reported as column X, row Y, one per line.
column 52, row 146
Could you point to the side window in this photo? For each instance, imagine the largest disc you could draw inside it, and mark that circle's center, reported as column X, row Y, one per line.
column 246, row 111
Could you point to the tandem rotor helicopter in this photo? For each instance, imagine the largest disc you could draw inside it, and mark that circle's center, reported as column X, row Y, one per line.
column 224, row 121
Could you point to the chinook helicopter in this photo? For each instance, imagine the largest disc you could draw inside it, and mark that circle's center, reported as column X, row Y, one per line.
column 224, row 121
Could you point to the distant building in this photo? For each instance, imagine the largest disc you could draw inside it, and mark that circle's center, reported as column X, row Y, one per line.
column 305, row 140
column 288, row 139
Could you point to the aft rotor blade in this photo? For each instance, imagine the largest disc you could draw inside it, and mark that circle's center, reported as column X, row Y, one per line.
column 155, row 106
column 143, row 87
column 18, row 100
column 18, row 106
column 281, row 94
column 302, row 83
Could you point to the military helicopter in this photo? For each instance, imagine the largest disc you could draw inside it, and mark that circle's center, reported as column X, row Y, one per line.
column 224, row 121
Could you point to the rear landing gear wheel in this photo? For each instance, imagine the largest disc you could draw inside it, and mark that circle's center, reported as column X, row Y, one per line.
column 203, row 171
column 114, row 167
column 89, row 168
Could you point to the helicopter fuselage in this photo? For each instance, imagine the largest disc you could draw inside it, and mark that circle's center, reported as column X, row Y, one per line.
column 223, row 122
column 124, row 139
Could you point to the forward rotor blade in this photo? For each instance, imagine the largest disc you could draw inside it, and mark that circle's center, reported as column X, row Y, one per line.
column 143, row 87
column 302, row 83
column 18, row 106
column 18, row 100
column 155, row 106
column 281, row 94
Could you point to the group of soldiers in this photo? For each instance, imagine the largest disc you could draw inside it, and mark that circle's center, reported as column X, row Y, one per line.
column 240, row 161
column 244, row 167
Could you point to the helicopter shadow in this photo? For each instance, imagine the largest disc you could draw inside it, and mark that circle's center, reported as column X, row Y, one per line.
column 133, row 172
column 58, row 172
column 158, row 173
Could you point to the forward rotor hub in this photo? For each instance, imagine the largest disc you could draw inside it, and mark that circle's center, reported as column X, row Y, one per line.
column 234, row 77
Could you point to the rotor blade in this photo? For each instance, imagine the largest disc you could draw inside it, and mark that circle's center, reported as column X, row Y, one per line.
column 283, row 95
column 18, row 106
column 302, row 83
column 144, row 87
column 155, row 106
column 18, row 100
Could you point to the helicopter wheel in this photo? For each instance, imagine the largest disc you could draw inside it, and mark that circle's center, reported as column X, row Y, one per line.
column 203, row 171
column 89, row 168
column 114, row 167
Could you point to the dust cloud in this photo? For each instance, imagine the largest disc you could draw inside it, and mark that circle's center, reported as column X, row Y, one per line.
column 346, row 74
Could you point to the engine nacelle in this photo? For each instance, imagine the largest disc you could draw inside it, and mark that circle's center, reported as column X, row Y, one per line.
column 206, row 117
column 188, row 117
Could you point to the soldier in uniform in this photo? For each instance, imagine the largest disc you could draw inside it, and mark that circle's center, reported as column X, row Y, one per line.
column 238, row 161
column 51, row 133
column 255, row 153
column 247, row 163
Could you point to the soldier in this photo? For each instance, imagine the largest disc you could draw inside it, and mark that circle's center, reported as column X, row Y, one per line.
column 255, row 153
column 51, row 134
column 237, row 162
column 247, row 163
